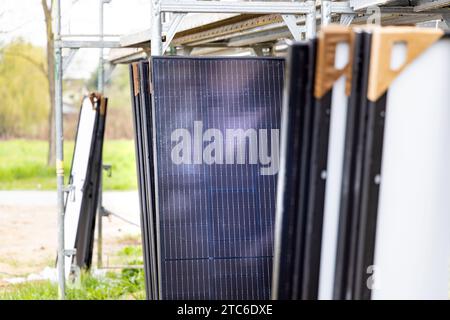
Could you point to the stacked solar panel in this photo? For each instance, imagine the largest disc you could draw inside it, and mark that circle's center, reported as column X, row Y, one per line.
column 360, row 210
column 257, row 183
column 208, row 161
column 81, row 202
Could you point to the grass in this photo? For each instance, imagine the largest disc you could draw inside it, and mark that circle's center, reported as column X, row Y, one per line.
column 126, row 284
column 23, row 165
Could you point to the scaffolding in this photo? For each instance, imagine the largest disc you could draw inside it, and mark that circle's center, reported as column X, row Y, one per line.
column 256, row 22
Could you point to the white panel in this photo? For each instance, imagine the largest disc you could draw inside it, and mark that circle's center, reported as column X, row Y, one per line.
column 413, row 229
column 334, row 179
column 79, row 168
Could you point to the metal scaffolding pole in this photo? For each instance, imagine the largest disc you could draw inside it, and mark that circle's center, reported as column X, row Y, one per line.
column 100, row 80
column 325, row 10
column 59, row 152
column 100, row 89
column 156, row 41
column 310, row 22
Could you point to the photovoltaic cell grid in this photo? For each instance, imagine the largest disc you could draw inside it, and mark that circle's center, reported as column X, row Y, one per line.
column 215, row 221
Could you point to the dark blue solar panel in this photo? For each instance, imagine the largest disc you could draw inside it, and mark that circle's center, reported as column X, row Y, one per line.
column 216, row 219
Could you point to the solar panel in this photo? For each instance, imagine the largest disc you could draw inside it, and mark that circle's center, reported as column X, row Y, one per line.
column 332, row 93
column 408, row 233
column 141, row 107
column 362, row 205
column 215, row 141
column 294, row 163
column 81, row 202
column 366, row 205
column 351, row 170
column 86, row 227
column 311, row 152
column 386, row 213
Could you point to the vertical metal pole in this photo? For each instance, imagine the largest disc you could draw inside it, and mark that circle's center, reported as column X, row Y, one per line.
column 310, row 23
column 100, row 58
column 100, row 220
column 100, row 89
column 59, row 151
column 156, row 42
column 326, row 12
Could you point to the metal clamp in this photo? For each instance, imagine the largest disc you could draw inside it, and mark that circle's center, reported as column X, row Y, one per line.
column 70, row 252
column 108, row 169
column 69, row 189
column 105, row 212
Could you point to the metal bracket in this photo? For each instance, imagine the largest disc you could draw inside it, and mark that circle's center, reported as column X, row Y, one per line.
column 108, row 169
column 86, row 44
column 70, row 252
column 105, row 212
column 172, row 29
column 69, row 189
column 258, row 51
column 291, row 23
column 341, row 7
column 68, row 59
column 75, row 273
column 262, row 51
column 446, row 19
column 185, row 50
column 347, row 18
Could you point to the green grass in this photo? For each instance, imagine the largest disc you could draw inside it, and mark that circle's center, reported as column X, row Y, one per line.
column 23, row 165
column 126, row 284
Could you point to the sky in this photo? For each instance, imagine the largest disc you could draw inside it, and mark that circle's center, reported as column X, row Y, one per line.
column 25, row 18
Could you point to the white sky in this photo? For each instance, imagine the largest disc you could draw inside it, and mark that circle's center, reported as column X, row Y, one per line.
column 24, row 18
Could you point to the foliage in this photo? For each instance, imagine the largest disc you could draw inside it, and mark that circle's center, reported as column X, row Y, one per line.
column 118, row 90
column 23, row 165
column 24, row 98
column 126, row 284
column 24, row 101
column 35, row 290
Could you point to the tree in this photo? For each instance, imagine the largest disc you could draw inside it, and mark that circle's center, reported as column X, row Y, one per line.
column 23, row 97
column 47, row 8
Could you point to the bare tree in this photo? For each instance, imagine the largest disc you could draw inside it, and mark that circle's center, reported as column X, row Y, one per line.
column 47, row 8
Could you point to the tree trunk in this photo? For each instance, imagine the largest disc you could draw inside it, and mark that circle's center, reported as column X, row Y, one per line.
column 51, row 158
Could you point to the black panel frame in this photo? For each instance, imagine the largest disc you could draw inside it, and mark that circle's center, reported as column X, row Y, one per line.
column 292, row 148
column 89, row 207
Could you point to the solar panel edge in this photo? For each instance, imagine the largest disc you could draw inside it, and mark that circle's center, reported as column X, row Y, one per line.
column 85, row 214
column 347, row 180
column 293, row 93
column 141, row 185
column 305, row 166
column 148, row 161
column 215, row 58
column 316, row 201
column 353, row 267
column 84, row 257
column 155, row 170
column 69, row 260
column 369, row 208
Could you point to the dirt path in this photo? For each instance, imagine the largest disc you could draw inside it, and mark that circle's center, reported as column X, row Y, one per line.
column 28, row 229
